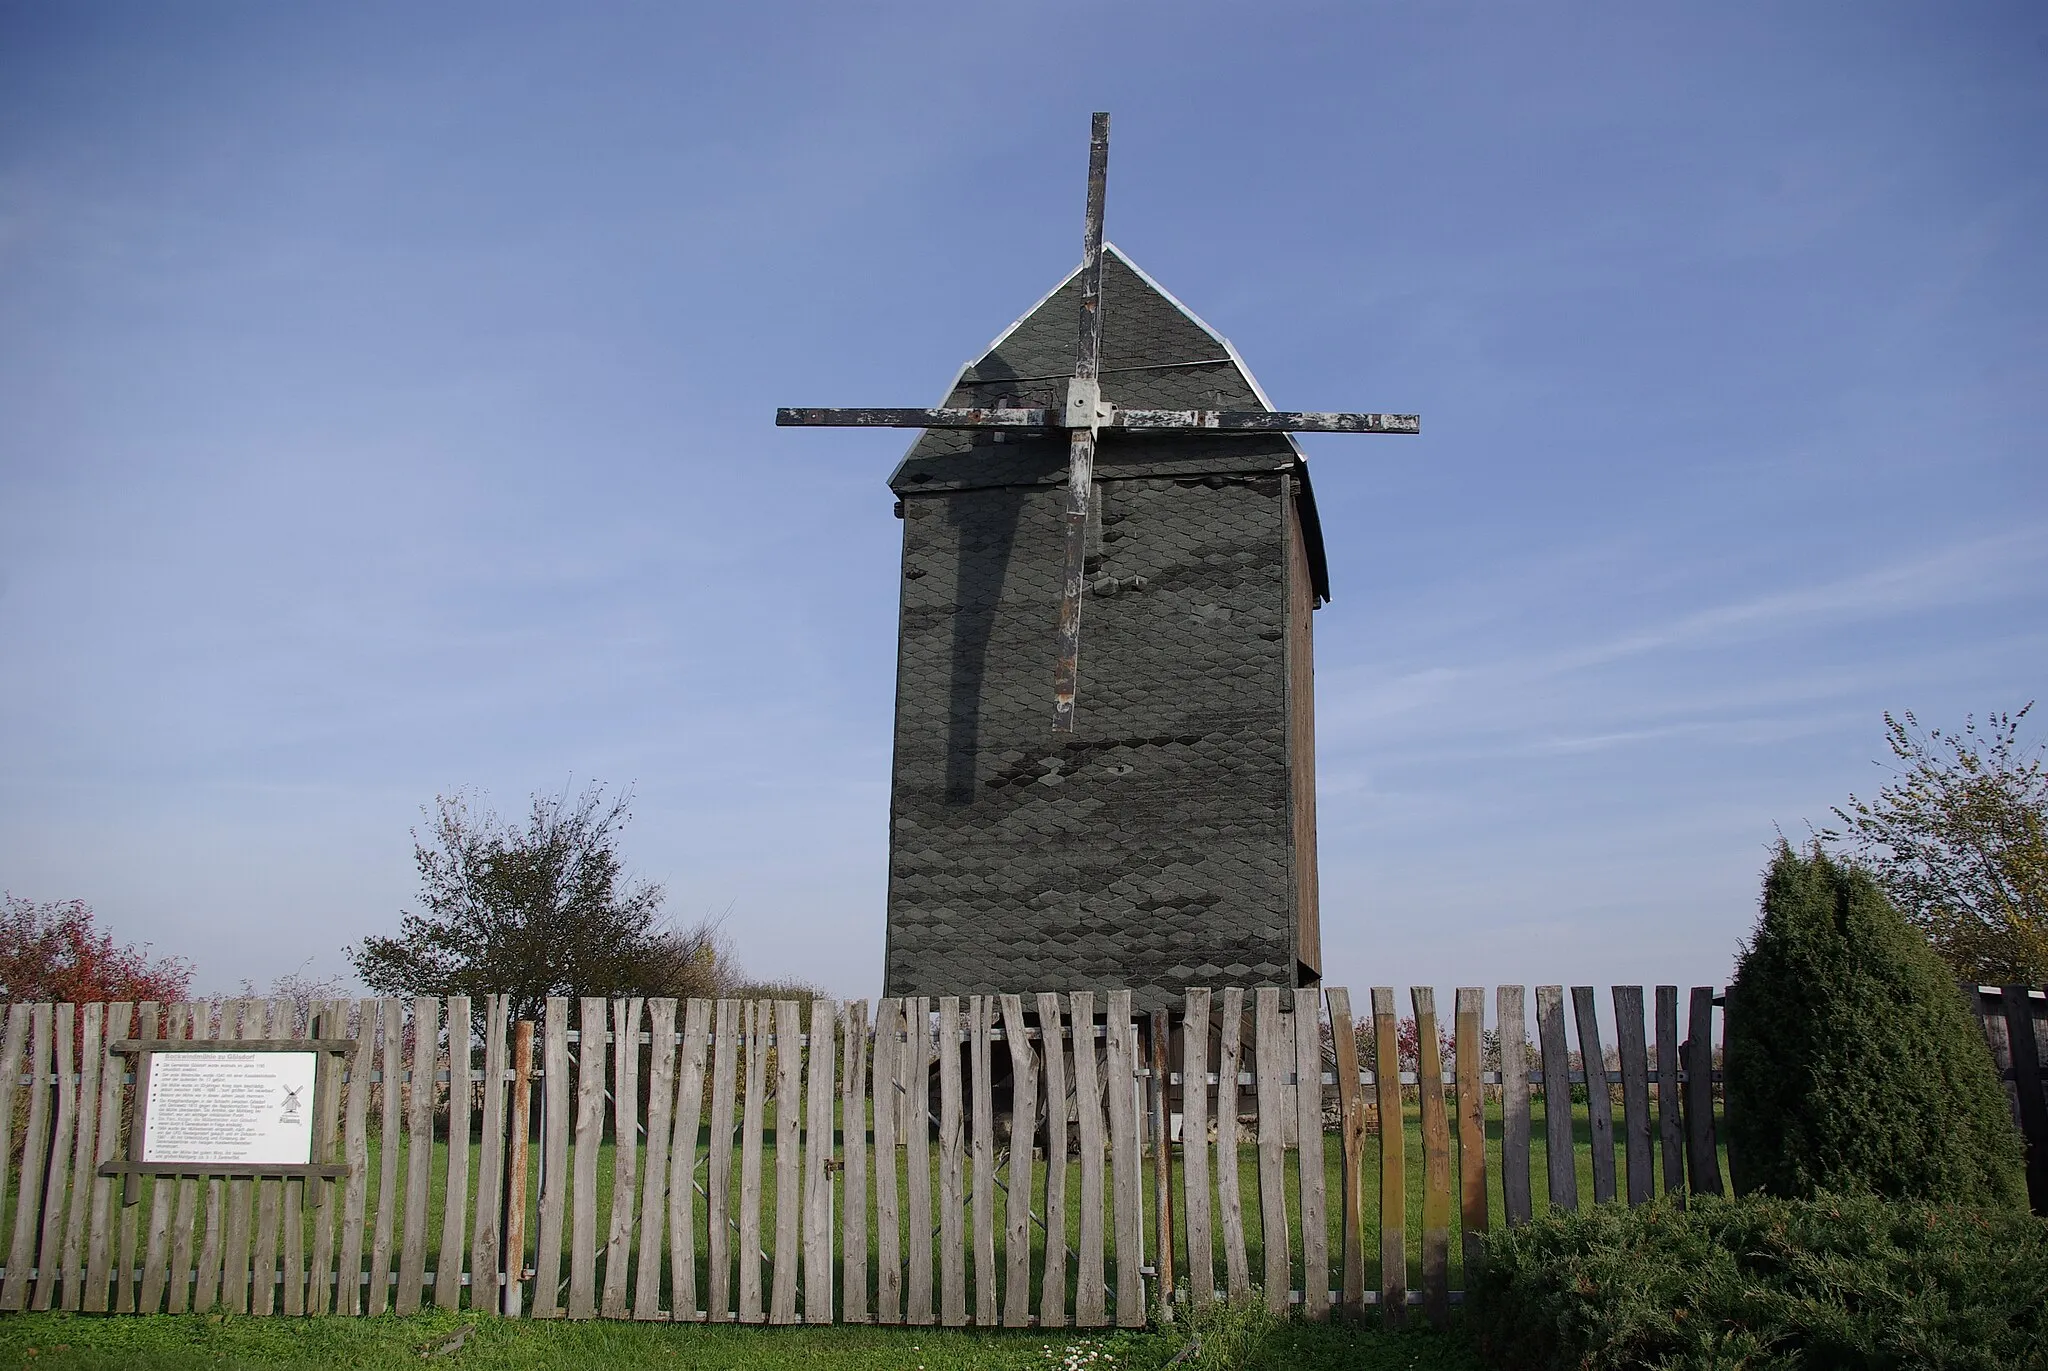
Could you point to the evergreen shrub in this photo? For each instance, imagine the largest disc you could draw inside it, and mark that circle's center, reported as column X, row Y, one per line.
column 1763, row 1283
column 1853, row 1064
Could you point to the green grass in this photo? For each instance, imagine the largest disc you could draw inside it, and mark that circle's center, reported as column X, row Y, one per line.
column 50, row 1342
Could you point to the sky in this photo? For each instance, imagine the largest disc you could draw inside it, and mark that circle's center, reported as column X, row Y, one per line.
column 386, row 400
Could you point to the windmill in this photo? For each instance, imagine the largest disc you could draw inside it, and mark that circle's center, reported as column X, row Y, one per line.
column 1109, row 447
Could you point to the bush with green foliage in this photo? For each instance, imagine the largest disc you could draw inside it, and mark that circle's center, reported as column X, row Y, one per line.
column 1852, row 1062
column 1757, row 1282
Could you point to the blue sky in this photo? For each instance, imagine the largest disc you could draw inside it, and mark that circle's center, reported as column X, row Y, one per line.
column 386, row 398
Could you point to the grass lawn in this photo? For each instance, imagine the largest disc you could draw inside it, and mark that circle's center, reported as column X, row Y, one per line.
column 49, row 1342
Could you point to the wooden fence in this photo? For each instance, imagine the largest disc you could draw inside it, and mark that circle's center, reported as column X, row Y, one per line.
column 2015, row 1019
column 981, row 1160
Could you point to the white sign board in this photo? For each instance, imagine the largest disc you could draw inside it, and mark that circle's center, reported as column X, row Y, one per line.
column 251, row 1108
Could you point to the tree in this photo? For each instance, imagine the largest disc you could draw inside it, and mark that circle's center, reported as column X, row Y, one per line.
column 55, row 952
column 1960, row 842
column 1853, row 1065
column 539, row 910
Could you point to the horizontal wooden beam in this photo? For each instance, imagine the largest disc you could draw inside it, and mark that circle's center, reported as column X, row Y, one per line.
column 1130, row 420
column 309, row 1171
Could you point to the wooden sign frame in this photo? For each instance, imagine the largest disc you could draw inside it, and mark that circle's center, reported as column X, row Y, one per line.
column 143, row 1049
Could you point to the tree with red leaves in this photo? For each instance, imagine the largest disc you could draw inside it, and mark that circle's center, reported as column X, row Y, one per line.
column 53, row 952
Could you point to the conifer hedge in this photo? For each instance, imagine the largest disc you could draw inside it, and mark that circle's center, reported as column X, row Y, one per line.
column 1853, row 1065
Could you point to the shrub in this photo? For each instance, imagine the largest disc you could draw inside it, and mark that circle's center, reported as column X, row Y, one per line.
column 1759, row 1282
column 1852, row 1063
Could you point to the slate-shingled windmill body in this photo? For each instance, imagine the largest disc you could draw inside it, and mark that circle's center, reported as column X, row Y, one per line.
column 1162, row 833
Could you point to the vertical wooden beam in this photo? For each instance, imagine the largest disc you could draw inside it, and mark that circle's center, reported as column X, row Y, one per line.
column 818, row 1162
column 1436, row 1160
column 682, row 1168
column 149, row 1020
column 718, row 1180
column 488, row 1226
column 84, row 1144
column 1670, row 1120
column 952, row 1257
column 264, row 1282
column 1090, row 1308
column 1351, row 1129
column 292, row 1284
column 661, row 1100
column 2025, row 1047
column 885, row 1079
column 1194, row 1146
column 1229, row 1196
column 14, row 1289
column 1273, row 1057
column 750, row 1161
column 390, row 1135
column 1386, row 1075
column 1126, row 1186
column 516, row 1173
column 982, row 1114
column 455, row 1184
column 1702, row 1154
column 1308, row 1094
column 157, row 1249
column 789, row 1204
column 914, row 1095
column 99, row 1243
column 1469, row 1042
column 1557, row 1098
column 1161, row 1129
column 212, row 1020
column 618, row 1250
column 324, row 1283
column 1514, row 1105
column 1023, row 1130
column 853, row 1167
column 1599, row 1098
column 49, row 1249
column 1052, row 1287
column 1633, row 1049
column 419, row 1154
column 555, row 1180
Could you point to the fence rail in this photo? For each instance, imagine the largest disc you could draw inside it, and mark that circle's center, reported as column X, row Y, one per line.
column 986, row 1160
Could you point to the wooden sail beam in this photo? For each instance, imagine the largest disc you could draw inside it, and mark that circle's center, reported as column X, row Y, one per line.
column 1127, row 420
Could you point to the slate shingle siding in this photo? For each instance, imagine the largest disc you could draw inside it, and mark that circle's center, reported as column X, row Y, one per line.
column 1154, row 848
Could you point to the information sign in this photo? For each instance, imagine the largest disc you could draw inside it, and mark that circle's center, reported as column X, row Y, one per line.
column 246, row 1108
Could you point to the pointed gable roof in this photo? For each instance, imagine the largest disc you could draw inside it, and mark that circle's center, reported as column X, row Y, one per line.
column 1156, row 354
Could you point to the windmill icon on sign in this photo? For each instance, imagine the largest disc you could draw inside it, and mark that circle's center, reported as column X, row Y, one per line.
column 1085, row 417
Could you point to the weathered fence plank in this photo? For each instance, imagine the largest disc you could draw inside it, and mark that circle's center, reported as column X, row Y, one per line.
column 517, row 1175
column 263, row 1281
column 206, row 1281
column 250, row 1015
column 157, row 1244
column 818, row 1161
column 1632, row 1048
column 1468, row 1041
column 1703, row 1160
column 718, row 1205
column 789, row 1209
column 625, row 1091
column 554, row 1160
column 323, row 1282
column 1599, row 1098
column 1023, row 1129
column 853, row 1164
column 1557, row 1097
column 1229, row 1198
column 389, row 1136
column 757, row 1014
column 661, row 1099
column 83, row 1161
column 1090, row 1308
column 49, row 1248
column 1159, row 1128
column 1386, row 1075
column 455, row 1188
column 1194, row 1146
column 591, row 1013
column 487, row 1223
column 419, row 1153
column 1308, row 1095
column 149, row 1021
column 884, row 1083
column 1436, row 1159
column 682, row 1166
column 1272, row 1057
column 982, row 1142
column 2024, row 1048
column 1670, row 1118
column 952, row 1160
column 914, row 1096
column 1126, row 1186
column 1514, row 1104
column 100, row 1237
column 292, row 1281
column 21, row 1250
column 1052, row 1280
column 1351, row 1136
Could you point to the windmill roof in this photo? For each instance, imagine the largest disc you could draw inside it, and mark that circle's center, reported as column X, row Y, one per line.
column 1156, row 354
